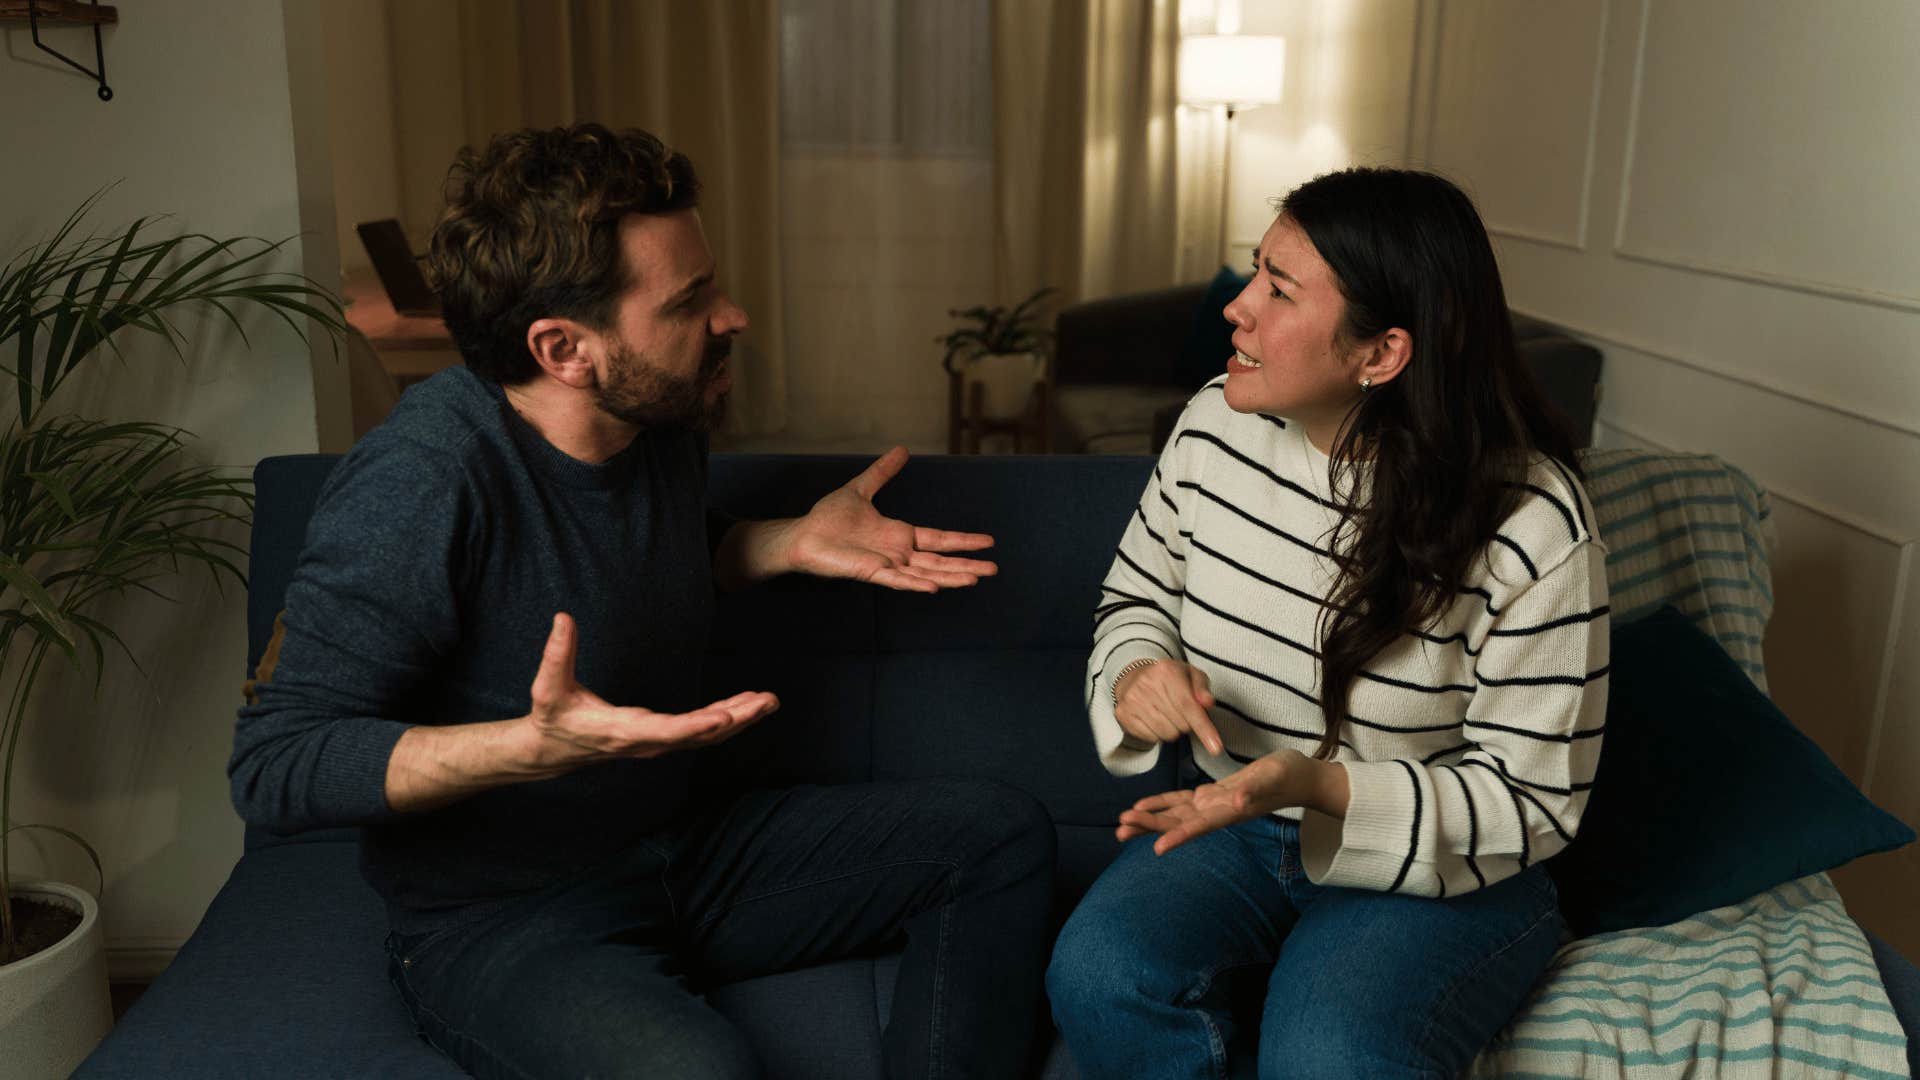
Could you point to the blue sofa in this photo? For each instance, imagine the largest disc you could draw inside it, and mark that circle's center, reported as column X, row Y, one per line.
column 285, row 976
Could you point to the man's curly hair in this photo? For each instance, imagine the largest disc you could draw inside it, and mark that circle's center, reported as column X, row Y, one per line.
column 532, row 231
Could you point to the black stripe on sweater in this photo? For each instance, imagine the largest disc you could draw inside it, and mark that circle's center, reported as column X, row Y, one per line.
column 1141, row 600
column 1519, row 812
column 1549, row 788
column 1292, row 733
column 1303, row 695
column 1554, row 624
column 1315, row 653
column 1105, row 610
column 1413, row 842
column 1473, row 826
column 1208, row 436
column 1573, row 531
column 1172, row 554
column 1542, row 680
column 1499, row 770
column 1475, row 590
column 1222, row 387
column 1142, row 571
column 1542, row 736
column 1502, row 538
column 1228, row 560
column 1573, row 488
column 1274, row 529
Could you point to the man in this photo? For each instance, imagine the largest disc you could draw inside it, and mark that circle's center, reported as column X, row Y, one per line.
column 558, row 892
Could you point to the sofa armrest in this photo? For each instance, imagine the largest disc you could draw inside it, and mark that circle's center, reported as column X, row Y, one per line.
column 1136, row 338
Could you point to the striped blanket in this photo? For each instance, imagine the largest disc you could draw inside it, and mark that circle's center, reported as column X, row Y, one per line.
column 1781, row 984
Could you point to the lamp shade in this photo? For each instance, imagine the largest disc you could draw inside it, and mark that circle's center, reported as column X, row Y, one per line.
column 1235, row 70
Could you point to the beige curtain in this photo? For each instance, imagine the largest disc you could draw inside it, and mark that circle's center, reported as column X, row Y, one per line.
column 1101, row 186
column 703, row 76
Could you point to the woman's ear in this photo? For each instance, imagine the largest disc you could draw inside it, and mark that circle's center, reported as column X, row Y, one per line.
column 1385, row 358
column 562, row 349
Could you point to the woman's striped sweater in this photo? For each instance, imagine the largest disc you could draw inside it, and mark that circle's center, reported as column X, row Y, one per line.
column 1470, row 746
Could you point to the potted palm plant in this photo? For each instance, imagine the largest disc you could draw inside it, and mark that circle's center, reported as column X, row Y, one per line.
column 1001, row 349
column 90, row 510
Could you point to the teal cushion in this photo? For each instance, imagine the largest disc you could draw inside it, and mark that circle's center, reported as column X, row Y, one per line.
column 1706, row 793
column 1210, row 341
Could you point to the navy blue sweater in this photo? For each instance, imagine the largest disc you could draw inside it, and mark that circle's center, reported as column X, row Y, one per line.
column 441, row 547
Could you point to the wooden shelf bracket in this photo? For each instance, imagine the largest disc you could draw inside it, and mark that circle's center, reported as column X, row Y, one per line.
column 67, row 12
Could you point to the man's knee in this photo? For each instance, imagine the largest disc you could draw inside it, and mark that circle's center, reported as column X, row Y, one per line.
column 1010, row 828
column 702, row 1059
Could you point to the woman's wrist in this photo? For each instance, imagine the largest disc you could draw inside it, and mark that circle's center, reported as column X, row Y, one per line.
column 1331, row 793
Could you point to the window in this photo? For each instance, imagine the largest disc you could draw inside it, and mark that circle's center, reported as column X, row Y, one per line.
column 906, row 77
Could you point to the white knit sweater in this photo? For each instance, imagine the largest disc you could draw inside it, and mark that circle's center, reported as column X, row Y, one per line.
column 1470, row 746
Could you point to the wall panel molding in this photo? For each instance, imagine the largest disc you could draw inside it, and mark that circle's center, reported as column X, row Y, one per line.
column 140, row 959
column 1764, row 383
column 1732, row 270
column 1578, row 244
column 1574, row 238
column 1902, row 581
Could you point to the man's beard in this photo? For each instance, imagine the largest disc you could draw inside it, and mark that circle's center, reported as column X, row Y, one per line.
column 641, row 394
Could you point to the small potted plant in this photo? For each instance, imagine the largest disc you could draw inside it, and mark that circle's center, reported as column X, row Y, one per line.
column 1002, row 350
column 89, row 510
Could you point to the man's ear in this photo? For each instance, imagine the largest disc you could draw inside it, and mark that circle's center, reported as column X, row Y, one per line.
column 1386, row 357
column 565, row 351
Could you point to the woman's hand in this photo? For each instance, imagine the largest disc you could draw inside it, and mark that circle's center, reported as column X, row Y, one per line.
column 1280, row 780
column 1165, row 701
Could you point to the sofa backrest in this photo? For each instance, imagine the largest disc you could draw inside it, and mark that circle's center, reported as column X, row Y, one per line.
column 879, row 684
column 987, row 681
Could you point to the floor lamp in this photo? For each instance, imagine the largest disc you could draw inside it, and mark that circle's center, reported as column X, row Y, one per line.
column 1237, row 71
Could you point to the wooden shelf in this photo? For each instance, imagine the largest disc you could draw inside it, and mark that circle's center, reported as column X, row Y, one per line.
column 60, row 12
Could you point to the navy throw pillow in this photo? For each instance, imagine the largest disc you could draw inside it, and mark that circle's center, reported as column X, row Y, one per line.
column 1210, row 341
column 1706, row 793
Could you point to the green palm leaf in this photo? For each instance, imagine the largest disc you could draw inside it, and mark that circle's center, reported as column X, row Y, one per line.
column 89, row 509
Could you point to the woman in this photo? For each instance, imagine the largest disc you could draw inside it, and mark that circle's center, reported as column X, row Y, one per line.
column 1364, row 584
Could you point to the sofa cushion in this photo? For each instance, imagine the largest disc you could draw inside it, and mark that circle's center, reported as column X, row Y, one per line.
column 1706, row 793
column 1104, row 418
column 285, row 977
column 1210, row 342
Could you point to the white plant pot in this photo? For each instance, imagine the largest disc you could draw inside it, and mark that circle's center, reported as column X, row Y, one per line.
column 1006, row 378
column 54, row 1005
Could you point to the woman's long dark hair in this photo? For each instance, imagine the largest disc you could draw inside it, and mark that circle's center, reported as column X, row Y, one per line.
column 1448, row 441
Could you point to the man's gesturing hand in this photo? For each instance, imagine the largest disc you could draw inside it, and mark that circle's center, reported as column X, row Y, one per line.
column 1163, row 702
column 577, row 726
column 844, row 536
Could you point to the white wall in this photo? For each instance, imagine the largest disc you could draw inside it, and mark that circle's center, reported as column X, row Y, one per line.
column 202, row 127
column 1718, row 193
column 1349, row 77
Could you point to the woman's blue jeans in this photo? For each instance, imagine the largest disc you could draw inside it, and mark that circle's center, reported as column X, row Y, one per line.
column 602, row 975
column 1221, row 959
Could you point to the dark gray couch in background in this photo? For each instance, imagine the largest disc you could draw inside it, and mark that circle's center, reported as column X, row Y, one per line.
column 1123, row 369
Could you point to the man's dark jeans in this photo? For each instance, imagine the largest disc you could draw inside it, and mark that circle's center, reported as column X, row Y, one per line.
column 601, row 974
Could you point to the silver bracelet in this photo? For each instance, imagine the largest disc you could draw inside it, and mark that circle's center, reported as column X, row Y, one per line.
column 1145, row 661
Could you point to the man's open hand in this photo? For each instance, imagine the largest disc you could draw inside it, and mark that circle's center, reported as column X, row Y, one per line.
column 577, row 726
column 844, row 536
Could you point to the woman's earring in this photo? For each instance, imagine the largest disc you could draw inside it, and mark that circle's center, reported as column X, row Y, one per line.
column 1366, row 384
